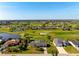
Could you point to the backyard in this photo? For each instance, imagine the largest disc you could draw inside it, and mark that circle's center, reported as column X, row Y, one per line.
column 71, row 50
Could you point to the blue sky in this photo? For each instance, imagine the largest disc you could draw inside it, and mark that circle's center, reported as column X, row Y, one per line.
column 39, row 10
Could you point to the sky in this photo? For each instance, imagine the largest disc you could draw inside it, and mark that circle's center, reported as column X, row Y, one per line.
column 39, row 10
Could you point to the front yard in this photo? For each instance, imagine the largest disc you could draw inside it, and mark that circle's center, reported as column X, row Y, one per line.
column 71, row 50
column 29, row 50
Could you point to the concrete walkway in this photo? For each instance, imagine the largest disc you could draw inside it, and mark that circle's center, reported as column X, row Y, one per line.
column 74, row 45
column 45, row 50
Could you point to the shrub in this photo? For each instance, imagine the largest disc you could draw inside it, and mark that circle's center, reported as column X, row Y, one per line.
column 2, row 42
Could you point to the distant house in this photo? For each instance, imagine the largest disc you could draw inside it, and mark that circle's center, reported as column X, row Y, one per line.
column 7, row 36
column 38, row 43
column 4, row 22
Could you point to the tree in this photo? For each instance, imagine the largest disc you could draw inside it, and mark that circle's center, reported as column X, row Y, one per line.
column 23, row 45
column 27, row 37
column 2, row 42
column 54, row 52
column 49, row 37
column 12, row 29
column 25, row 41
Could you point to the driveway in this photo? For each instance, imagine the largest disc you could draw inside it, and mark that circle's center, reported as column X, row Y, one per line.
column 61, row 50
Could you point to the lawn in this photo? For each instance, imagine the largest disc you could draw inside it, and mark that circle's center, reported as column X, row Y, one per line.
column 71, row 49
column 32, row 51
column 67, row 35
column 29, row 50
column 4, row 29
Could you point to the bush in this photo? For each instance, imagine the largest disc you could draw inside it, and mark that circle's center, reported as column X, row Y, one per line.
column 2, row 42
column 48, row 45
column 11, row 49
column 29, row 47
column 23, row 46
column 54, row 52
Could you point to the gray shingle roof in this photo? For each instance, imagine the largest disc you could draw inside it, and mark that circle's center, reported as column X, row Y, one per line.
column 6, row 36
column 38, row 43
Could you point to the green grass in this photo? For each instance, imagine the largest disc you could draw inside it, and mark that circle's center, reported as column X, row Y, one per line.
column 71, row 49
column 4, row 29
column 32, row 51
column 74, row 34
column 67, row 35
column 28, row 51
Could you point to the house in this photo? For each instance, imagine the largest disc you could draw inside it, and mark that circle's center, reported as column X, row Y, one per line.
column 10, row 40
column 58, row 42
column 5, row 22
column 66, row 43
column 61, row 43
column 38, row 43
column 7, row 36
column 76, row 43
